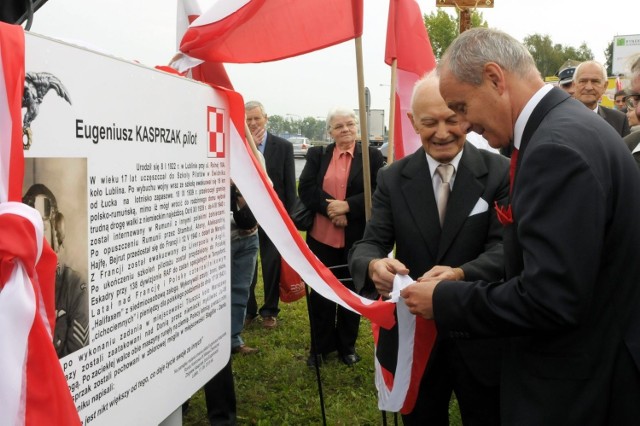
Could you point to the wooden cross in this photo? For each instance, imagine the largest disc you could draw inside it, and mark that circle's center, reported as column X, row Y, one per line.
column 464, row 7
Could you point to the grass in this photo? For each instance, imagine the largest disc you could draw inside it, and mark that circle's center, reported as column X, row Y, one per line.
column 275, row 386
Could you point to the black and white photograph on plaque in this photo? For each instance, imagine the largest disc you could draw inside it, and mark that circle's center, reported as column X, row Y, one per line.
column 57, row 188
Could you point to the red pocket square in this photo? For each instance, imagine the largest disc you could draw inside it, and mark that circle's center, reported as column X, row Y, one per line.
column 504, row 214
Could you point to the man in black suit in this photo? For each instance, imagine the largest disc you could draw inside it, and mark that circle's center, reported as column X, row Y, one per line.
column 569, row 306
column 590, row 82
column 278, row 156
column 467, row 245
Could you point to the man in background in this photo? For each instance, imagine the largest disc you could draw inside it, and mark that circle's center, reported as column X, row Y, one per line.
column 618, row 101
column 278, row 156
column 565, row 80
column 590, row 81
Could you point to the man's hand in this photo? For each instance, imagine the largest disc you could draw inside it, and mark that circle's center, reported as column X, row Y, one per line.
column 245, row 232
column 258, row 134
column 337, row 208
column 419, row 297
column 382, row 273
column 443, row 273
column 241, row 202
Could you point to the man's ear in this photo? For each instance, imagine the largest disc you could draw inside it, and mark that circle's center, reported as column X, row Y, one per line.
column 410, row 116
column 495, row 76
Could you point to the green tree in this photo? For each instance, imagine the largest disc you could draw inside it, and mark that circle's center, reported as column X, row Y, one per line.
column 308, row 127
column 277, row 124
column 549, row 57
column 608, row 56
column 443, row 28
column 313, row 128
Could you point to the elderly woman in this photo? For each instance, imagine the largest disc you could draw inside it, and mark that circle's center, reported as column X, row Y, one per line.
column 332, row 185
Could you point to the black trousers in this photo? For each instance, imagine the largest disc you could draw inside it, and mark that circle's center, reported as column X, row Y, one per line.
column 220, row 397
column 447, row 372
column 334, row 327
column 270, row 259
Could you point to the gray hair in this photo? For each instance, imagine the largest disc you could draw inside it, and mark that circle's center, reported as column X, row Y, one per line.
column 603, row 70
column 253, row 105
column 470, row 51
column 340, row 112
column 429, row 77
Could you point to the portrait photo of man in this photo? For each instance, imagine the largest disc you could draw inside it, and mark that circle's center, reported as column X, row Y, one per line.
column 57, row 189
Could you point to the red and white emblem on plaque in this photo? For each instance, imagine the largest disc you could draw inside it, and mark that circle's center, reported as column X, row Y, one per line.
column 216, row 121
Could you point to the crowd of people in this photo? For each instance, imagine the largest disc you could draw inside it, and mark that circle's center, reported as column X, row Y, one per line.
column 524, row 263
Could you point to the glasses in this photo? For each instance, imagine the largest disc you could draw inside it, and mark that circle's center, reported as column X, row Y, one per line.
column 632, row 100
column 350, row 125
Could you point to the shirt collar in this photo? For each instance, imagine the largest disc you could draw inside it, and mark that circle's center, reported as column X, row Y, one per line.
column 524, row 116
column 433, row 164
column 350, row 151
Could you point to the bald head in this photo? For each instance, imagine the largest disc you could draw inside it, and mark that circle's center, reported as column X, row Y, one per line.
column 426, row 89
column 440, row 134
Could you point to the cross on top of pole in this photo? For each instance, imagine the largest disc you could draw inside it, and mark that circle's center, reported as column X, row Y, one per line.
column 461, row 4
column 463, row 7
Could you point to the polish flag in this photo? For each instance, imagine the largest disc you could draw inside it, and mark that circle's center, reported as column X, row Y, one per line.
column 251, row 31
column 33, row 388
column 210, row 72
column 251, row 179
column 403, row 351
column 408, row 43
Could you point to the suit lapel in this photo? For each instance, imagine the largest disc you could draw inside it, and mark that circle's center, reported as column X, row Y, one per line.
column 467, row 189
column 513, row 259
column 269, row 148
column 325, row 160
column 417, row 190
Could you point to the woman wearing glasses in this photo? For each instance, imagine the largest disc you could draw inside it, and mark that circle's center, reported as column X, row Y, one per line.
column 332, row 185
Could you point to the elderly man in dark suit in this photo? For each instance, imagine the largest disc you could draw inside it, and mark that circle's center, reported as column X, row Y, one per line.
column 278, row 156
column 590, row 82
column 463, row 242
column 569, row 306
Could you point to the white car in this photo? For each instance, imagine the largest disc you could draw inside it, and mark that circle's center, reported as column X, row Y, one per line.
column 300, row 146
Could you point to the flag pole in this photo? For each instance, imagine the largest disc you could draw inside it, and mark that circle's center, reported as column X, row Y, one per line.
column 364, row 135
column 392, row 112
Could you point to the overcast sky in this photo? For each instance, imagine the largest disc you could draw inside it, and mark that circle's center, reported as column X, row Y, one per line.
column 309, row 85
